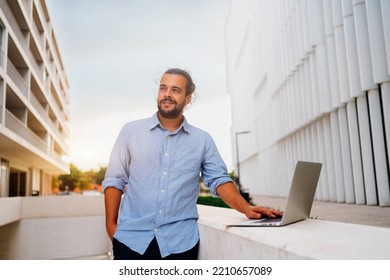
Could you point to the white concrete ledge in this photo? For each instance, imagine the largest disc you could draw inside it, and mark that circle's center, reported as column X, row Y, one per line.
column 309, row 239
column 51, row 227
column 14, row 209
column 62, row 206
column 10, row 210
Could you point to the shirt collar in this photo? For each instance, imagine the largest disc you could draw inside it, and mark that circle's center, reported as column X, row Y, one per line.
column 155, row 122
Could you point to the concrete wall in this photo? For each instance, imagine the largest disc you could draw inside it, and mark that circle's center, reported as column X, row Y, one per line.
column 310, row 80
column 65, row 227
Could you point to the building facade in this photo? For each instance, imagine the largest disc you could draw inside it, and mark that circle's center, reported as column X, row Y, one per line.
column 34, row 100
column 310, row 80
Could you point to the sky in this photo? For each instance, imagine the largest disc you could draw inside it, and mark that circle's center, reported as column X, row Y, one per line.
column 114, row 53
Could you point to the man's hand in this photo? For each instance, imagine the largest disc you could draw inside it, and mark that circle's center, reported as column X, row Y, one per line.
column 257, row 212
column 230, row 195
column 111, row 228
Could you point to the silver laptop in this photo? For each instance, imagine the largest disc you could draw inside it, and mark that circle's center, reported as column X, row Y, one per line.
column 299, row 200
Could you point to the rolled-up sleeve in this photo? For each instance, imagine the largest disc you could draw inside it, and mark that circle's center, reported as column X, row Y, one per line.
column 214, row 171
column 117, row 173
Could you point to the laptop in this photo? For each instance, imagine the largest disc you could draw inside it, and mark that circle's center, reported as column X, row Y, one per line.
column 299, row 200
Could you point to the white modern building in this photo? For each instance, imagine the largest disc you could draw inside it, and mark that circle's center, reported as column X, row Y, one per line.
column 310, row 80
column 34, row 100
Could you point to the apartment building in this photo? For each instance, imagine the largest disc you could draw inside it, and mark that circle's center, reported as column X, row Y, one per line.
column 310, row 80
column 34, row 100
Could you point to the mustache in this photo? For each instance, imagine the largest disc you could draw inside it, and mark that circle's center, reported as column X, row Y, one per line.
column 168, row 99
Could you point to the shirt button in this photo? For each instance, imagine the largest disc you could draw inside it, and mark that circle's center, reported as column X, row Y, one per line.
column 166, row 154
column 155, row 229
column 160, row 211
column 162, row 190
column 165, row 173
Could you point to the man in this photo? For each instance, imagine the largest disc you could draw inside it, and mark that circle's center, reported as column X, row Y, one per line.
column 156, row 163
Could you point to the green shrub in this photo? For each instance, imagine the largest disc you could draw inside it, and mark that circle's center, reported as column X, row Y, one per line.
column 212, row 201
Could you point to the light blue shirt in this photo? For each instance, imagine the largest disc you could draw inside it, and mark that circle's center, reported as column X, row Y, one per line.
column 158, row 172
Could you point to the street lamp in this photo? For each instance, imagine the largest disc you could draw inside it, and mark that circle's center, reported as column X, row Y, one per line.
column 238, row 160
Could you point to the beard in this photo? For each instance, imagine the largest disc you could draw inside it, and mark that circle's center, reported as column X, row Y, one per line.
column 172, row 113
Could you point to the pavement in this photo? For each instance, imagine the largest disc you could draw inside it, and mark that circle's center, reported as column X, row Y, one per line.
column 338, row 212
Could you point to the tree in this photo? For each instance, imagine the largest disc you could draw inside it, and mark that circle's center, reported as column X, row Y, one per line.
column 79, row 180
column 99, row 175
column 75, row 179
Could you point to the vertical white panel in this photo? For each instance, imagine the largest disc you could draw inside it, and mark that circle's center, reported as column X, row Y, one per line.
column 300, row 29
column 302, row 102
column 363, row 47
column 346, row 156
column 309, row 143
column 316, row 156
column 323, row 192
column 315, row 148
column 357, row 166
column 351, row 50
column 329, row 158
column 337, row 158
column 308, row 90
column 381, row 170
column 385, row 89
column 299, row 144
column 341, row 52
column 367, row 156
column 290, row 47
column 333, row 72
column 377, row 41
column 331, row 51
column 316, row 19
column 305, row 26
column 323, row 79
column 314, row 84
column 385, row 8
column 293, row 81
column 295, row 147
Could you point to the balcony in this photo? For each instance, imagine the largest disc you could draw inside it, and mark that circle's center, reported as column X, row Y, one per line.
column 73, row 227
column 17, row 78
column 19, row 128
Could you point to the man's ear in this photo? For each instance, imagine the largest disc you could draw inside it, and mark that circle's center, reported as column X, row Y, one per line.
column 188, row 99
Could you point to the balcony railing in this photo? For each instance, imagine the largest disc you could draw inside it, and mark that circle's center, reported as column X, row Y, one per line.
column 14, row 25
column 39, row 36
column 16, row 126
column 17, row 78
column 73, row 227
column 37, row 105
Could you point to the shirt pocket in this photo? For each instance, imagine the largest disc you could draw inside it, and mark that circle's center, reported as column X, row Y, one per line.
column 186, row 164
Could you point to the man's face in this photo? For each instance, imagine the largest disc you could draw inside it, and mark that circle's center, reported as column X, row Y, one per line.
column 172, row 97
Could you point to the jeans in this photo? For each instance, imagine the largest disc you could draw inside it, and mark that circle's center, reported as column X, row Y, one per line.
column 122, row 252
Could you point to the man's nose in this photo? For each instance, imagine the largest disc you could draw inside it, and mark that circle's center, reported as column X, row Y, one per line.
column 168, row 93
